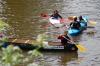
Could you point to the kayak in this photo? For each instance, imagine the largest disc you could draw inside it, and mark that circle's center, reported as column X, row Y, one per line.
column 55, row 22
column 74, row 31
column 53, row 46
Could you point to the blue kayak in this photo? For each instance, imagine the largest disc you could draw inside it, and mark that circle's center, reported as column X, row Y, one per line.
column 74, row 31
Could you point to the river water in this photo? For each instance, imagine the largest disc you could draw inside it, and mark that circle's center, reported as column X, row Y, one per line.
column 24, row 18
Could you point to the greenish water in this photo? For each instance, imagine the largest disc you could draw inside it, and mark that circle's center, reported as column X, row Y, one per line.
column 24, row 18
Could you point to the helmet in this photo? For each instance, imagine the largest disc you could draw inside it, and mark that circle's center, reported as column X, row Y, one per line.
column 75, row 18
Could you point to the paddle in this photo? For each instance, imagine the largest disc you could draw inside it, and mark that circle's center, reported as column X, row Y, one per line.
column 43, row 15
column 77, row 45
column 84, row 17
column 70, row 18
column 80, row 47
column 91, row 22
column 61, row 20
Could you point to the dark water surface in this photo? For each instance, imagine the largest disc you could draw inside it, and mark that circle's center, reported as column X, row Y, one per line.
column 26, row 22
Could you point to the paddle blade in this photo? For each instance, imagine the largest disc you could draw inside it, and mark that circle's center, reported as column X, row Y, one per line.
column 43, row 15
column 92, row 22
column 80, row 47
column 63, row 20
column 70, row 18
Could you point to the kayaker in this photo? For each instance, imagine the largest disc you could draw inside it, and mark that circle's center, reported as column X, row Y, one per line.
column 65, row 40
column 81, row 19
column 55, row 15
column 75, row 24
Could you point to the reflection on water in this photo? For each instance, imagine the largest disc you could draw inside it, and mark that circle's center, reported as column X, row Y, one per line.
column 24, row 17
column 66, row 57
column 57, row 58
column 52, row 58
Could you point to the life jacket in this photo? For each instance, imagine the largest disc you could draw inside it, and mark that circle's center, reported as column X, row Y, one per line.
column 55, row 16
column 75, row 25
column 65, row 40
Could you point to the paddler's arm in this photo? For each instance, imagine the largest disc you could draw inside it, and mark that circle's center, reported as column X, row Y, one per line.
column 59, row 16
column 69, row 38
column 59, row 37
